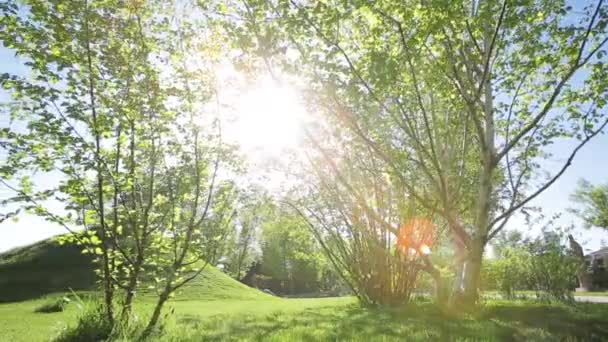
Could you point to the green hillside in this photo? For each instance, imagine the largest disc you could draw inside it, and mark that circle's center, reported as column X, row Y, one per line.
column 46, row 267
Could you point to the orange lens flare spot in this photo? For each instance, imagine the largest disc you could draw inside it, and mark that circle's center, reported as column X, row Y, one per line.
column 416, row 236
column 424, row 249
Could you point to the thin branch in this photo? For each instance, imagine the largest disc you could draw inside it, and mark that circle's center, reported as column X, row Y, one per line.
column 489, row 50
column 549, row 183
column 557, row 91
column 32, row 200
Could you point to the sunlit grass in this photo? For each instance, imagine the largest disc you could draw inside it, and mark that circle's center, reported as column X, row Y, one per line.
column 532, row 293
column 592, row 293
column 340, row 319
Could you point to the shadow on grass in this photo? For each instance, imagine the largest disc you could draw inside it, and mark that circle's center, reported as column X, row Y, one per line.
column 581, row 322
column 415, row 322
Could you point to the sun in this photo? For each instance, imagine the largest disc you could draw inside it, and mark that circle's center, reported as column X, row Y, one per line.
column 268, row 118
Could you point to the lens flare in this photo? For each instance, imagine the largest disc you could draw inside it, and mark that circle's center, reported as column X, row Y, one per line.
column 415, row 237
column 424, row 249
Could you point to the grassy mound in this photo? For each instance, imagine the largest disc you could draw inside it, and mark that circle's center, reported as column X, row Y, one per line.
column 46, row 267
column 41, row 268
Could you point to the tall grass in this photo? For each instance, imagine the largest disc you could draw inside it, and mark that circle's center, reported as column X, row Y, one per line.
column 92, row 325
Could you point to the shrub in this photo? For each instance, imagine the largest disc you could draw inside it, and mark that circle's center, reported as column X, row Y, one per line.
column 56, row 305
column 508, row 274
column 544, row 266
column 552, row 274
column 92, row 326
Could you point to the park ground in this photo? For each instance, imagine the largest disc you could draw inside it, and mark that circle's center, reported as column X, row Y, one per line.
column 215, row 307
column 334, row 319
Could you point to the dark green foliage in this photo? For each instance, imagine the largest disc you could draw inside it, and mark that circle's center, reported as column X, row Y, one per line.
column 292, row 261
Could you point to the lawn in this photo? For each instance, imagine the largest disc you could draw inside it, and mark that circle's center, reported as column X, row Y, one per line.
column 335, row 319
column 532, row 293
column 591, row 294
column 215, row 307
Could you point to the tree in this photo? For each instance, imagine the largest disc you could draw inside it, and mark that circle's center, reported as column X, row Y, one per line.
column 291, row 258
column 462, row 97
column 368, row 231
column 506, row 239
column 251, row 212
column 115, row 112
column 594, row 202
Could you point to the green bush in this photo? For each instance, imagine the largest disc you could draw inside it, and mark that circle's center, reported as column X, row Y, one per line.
column 92, row 326
column 510, row 273
column 55, row 305
column 552, row 274
column 543, row 266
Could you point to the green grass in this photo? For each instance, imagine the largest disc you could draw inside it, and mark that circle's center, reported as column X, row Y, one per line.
column 218, row 308
column 19, row 322
column 592, row 294
column 577, row 294
column 343, row 321
column 334, row 319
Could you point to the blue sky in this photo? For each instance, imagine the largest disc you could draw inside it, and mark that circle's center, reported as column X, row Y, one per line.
column 591, row 163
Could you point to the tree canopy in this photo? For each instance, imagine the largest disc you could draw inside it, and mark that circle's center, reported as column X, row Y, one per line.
column 594, row 202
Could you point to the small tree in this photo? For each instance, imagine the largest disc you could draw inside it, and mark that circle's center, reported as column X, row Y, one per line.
column 508, row 273
column 356, row 210
column 553, row 268
column 118, row 115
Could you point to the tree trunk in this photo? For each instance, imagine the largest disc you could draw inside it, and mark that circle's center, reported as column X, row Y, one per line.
column 460, row 240
column 108, row 290
column 458, row 285
column 131, row 289
column 472, row 273
column 472, row 265
column 483, row 208
column 441, row 289
column 155, row 314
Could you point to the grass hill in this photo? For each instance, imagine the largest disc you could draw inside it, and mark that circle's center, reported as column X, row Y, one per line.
column 46, row 267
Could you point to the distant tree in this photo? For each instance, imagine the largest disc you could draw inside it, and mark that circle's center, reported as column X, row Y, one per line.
column 291, row 257
column 507, row 239
column 594, row 202
column 244, row 243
